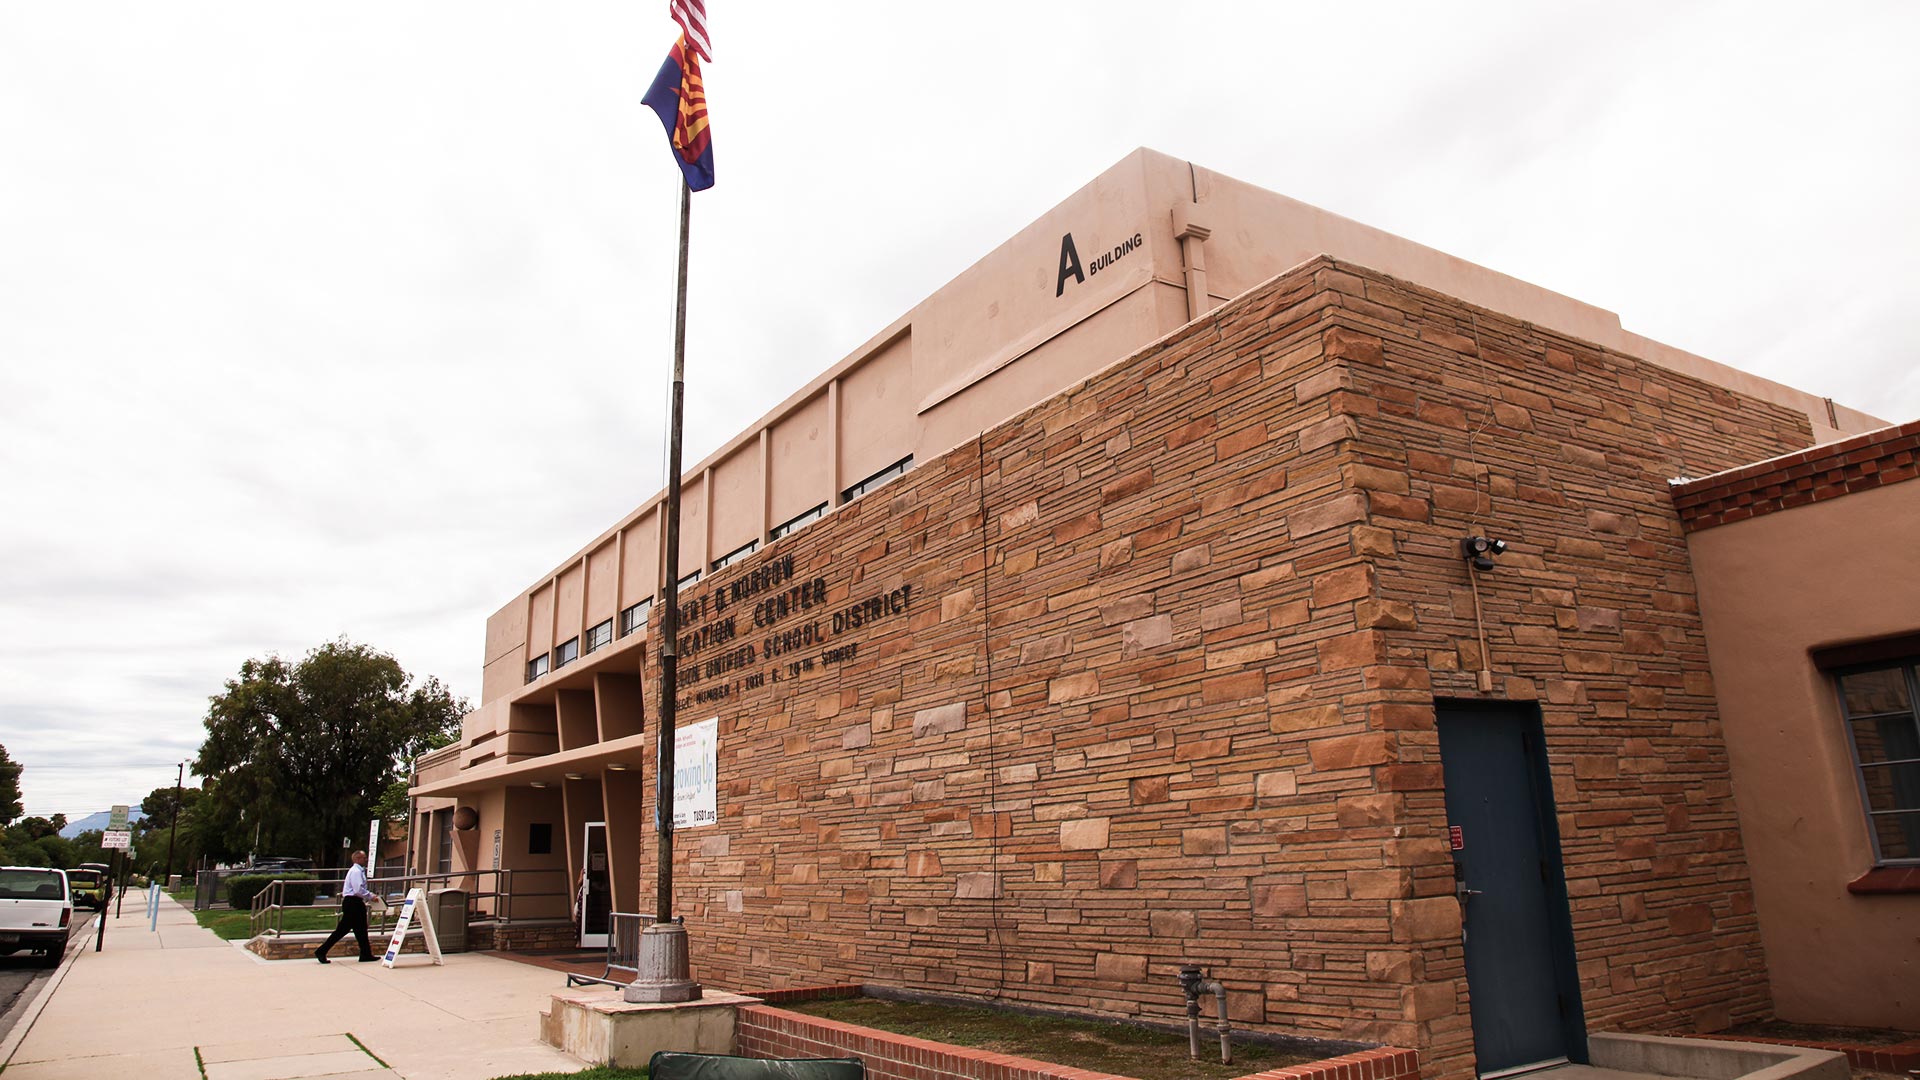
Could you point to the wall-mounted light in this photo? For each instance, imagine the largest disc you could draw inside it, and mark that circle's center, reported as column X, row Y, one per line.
column 575, row 776
column 538, row 783
column 614, row 766
column 1480, row 551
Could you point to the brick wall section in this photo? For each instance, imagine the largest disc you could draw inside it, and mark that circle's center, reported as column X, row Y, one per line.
column 1164, row 689
column 1465, row 422
column 1878, row 458
column 766, row 1032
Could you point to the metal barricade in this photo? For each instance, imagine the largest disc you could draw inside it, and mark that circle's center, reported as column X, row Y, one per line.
column 623, row 949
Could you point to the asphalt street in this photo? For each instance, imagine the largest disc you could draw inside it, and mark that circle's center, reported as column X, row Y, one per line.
column 21, row 974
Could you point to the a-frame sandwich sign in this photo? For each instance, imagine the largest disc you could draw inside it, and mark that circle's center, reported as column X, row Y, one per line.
column 416, row 904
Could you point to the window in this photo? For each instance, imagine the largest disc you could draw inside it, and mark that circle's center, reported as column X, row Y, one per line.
column 736, row 555
column 600, row 636
column 635, row 617
column 567, row 653
column 1879, row 705
column 800, row 522
column 443, row 856
column 880, row 479
column 689, row 581
column 539, row 838
column 536, row 667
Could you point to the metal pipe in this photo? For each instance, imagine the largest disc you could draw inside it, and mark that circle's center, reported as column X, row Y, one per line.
column 1226, row 1030
column 1194, row 982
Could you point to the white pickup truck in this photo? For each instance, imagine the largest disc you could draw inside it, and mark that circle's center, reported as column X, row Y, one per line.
column 36, row 905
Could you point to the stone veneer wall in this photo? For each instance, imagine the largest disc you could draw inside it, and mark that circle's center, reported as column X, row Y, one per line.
column 1163, row 690
column 1461, row 422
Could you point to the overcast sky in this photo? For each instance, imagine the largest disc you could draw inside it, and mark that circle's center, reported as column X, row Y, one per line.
column 353, row 319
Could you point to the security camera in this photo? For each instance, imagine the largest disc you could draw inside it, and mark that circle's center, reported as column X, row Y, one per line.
column 1480, row 551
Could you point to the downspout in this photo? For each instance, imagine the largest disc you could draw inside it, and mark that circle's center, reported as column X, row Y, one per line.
column 1192, row 235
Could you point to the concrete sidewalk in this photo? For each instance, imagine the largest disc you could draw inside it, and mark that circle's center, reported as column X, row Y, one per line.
column 150, row 1002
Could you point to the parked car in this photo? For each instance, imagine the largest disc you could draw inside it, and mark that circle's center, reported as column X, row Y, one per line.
column 280, row 862
column 36, row 906
column 90, row 885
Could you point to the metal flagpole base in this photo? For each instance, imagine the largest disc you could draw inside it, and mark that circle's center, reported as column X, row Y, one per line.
column 664, row 970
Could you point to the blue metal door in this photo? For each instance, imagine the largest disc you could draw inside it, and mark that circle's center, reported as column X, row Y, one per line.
column 1519, row 939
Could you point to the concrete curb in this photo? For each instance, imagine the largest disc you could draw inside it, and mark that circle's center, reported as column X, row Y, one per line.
column 18, row 1033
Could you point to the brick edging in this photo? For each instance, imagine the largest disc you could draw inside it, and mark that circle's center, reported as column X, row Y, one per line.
column 1872, row 460
column 767, row 1031
column 1898, row 1057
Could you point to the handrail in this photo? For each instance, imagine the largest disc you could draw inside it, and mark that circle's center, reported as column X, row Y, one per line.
column 267, row 910
column 623, row 948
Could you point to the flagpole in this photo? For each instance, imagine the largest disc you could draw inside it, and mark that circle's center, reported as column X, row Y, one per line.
column 664, row 963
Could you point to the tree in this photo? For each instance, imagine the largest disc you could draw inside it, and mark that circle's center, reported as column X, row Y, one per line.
column 10, row 809
column 297, row 753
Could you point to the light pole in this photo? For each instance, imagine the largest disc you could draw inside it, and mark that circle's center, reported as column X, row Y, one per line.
column 166, row 879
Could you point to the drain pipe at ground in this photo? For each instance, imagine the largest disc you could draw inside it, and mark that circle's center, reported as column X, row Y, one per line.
column 1194, row 982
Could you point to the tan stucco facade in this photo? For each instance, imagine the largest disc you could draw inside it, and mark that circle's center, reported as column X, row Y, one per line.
column 1772, row 589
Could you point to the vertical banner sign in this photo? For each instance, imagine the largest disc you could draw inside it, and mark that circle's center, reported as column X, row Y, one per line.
column 373, row 845
column 696, row 774
column 496, row 849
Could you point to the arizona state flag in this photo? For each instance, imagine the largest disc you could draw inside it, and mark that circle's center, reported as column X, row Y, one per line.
column 680, row 98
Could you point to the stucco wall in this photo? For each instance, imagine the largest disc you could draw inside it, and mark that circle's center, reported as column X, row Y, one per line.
column 1772, row 588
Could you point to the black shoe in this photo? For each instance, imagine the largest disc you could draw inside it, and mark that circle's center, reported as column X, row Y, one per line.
column 369, row 959
column 322, row 957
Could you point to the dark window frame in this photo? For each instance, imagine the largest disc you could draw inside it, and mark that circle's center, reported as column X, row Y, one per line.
column 566, row 652
column 879, row 480
column 1909, row 669
column 797, row 522
column 539, row 666
column 634, row 616
column 736, row 555
column 600, row 635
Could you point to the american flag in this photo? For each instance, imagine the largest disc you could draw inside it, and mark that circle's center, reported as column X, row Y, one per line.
column 692, row 17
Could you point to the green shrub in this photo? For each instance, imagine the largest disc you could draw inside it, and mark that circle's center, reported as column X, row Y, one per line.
column 241, row 890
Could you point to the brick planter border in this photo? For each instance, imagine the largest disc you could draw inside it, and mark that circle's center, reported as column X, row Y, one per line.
column 769, row 1032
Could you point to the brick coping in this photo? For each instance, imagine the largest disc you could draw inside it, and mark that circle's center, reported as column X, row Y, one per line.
column 1898, row 1057
column 780, row 1032
column 1875, row 459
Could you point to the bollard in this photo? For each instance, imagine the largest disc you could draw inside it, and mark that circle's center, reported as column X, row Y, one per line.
column 153, row 909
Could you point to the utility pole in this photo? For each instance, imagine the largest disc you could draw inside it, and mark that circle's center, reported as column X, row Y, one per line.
column 166, row 879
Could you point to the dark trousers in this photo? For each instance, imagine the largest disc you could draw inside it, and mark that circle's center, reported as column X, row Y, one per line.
column 353, row 916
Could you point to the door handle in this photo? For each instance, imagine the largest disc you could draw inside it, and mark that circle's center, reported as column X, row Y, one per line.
column 1464, row 894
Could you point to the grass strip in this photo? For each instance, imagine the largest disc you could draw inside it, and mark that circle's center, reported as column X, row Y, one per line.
column 364, row 1050
column 200, row 1063
column 1118, row 1048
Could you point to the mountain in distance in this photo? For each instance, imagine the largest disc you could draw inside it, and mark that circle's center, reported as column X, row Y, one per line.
column 95, row 821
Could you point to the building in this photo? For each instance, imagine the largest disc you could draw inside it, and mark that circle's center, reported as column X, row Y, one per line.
column 1110, row 610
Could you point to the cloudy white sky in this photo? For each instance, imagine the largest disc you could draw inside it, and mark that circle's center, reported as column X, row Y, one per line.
column 353, row 319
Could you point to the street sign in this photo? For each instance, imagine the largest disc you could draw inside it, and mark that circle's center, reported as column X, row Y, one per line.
column 118, row 822
column 116, row 839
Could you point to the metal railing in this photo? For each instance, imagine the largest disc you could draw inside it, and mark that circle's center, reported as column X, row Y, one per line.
column 623, row 949
column 485, row 906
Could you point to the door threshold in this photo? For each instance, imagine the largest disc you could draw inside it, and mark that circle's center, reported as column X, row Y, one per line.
column 1520, row 1070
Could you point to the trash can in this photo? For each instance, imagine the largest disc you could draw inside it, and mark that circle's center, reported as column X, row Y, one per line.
column 449, row 908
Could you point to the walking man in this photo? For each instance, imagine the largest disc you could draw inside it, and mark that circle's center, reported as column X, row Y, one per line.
column 353, row 912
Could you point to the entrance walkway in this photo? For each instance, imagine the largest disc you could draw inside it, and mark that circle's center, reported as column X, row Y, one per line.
column 148, row 1003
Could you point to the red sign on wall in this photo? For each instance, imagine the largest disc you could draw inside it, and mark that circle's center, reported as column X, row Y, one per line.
column 1456, row 838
